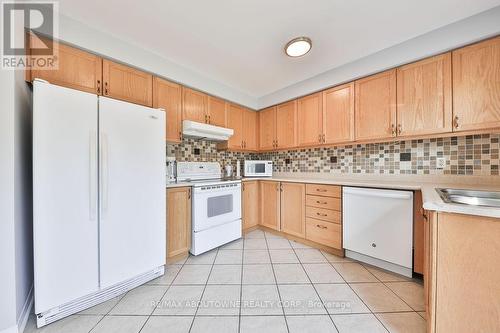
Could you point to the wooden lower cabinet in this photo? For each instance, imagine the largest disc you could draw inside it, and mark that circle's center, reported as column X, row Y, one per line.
column 292, row 212
column 178, row 221
column 250, row 204
column 324, row 214
column 463, row 292
column 326, row 233
column 287, row 208
column 270, row 204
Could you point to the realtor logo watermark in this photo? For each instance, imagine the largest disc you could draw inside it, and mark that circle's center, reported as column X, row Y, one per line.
column 40, row 19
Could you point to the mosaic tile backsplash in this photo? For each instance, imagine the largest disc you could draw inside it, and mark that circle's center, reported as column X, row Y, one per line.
column 476, row 155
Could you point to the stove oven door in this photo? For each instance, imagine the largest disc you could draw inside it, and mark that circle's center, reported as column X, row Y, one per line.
column 215, row 205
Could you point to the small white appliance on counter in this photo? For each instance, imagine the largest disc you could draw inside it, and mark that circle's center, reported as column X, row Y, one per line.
column 98, row 198
column 254, row 168
column 216, row 205
column 378, row 227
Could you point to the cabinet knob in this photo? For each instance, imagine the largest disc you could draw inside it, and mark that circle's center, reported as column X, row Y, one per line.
column 319, row 137
column 321, row 214
column 455, row 122
column 99, row 86
column 324, row 139
column 321, row 226
column 106, row 88
column 321, row 202
column 393, row 130
column 180, row 135
column 400, row 129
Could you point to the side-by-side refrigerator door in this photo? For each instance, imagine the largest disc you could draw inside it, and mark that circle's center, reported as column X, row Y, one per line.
column 132, row 186
column 65, row 189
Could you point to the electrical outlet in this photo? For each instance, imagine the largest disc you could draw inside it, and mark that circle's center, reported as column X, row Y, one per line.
column 440, row 163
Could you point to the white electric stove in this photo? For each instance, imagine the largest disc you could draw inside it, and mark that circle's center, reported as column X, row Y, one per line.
column 216, row 205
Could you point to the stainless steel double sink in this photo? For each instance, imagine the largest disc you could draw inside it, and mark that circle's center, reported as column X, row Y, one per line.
column 470, row 197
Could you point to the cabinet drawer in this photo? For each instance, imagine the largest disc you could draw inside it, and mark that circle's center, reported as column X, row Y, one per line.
column 324, row 202
column 326, row 233
column 324, row 214
column 324, row 190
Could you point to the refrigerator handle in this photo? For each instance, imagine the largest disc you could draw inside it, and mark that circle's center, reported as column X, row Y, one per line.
column 93, row 175
column 104, row 172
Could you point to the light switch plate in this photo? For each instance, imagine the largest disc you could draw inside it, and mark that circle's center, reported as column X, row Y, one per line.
column 440, row 163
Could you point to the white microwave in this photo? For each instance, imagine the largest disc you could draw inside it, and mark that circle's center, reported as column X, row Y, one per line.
column 258, row 169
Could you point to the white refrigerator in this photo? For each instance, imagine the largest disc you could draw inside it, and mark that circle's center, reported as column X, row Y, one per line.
column 98, row 198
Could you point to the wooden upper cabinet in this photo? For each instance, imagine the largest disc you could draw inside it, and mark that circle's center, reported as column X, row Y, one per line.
column 424, row 97
column 286, row 125
column 235, row 121
column 309, row 120
column 270, row 204
column 250, row 203
column 375, row 106
column 338, row 114
column 217, row 112
column 267, row 126
column 250, row 130
column 178, row 221
column 476, row 86
column 126, row 83
column 194, row 105
column 293, row 205
column 76, row 69
column 168, row 95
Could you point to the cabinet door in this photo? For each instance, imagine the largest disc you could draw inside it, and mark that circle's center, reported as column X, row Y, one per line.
column 235, row 121
column 250, row 130
column 127, row 84
column 286, row 125
column 194, row 105
column 77, row 69
column 251, row 204
column 178, row 221
column 375, row 106
column 293, row 204
column 167, row 95
column 216, row 111
column 476, row 86
column 309, row 120
column 338, row 114
column 424, row 97
column 267, row 126
column 467, row 290
column 270, row 204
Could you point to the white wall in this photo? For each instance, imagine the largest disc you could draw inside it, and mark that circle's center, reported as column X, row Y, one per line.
column 16, row 226
column 452, row 36
column 7, row 241
column 23, row 194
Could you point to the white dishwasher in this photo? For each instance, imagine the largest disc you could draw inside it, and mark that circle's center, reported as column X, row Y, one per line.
column 378, row 227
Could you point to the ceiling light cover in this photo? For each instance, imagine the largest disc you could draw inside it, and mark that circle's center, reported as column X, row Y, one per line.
column 298, row 47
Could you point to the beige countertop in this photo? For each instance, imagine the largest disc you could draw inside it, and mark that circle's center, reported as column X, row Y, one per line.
column 425, row 183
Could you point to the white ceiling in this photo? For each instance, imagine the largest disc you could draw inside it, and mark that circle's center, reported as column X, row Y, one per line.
column 240, row 43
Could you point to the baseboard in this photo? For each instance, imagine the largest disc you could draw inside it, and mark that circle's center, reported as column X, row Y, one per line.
column 25, row 313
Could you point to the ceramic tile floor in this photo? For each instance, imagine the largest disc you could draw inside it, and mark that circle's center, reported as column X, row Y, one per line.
column 263, row 283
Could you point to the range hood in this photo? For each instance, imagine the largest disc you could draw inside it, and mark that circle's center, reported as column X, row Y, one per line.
column 193, row 129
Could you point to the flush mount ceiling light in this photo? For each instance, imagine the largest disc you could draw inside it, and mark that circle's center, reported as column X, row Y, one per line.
column 298, row 47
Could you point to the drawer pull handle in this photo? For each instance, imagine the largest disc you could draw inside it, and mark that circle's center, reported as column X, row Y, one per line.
column 321, row 202
column 321, row 214
column 321, row 226
column 321, row 190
